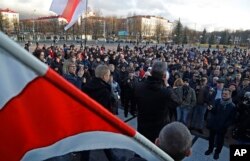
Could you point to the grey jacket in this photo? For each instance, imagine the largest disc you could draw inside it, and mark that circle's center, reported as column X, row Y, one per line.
column 189, row 99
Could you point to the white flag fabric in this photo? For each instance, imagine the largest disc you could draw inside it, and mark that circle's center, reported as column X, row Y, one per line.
column 71, row 10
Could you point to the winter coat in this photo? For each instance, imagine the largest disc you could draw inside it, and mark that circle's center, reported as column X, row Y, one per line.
column 188, row 99
column 153, row 101
column 222, row 116
column 100, row 91
column 243, row 122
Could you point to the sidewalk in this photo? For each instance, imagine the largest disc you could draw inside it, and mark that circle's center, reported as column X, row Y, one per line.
column 200, row 144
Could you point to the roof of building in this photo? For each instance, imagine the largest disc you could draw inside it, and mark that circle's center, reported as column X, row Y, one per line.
column 48, row 17
column 7, row 10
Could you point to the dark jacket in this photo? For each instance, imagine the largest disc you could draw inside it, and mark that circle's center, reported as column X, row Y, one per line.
column 100, row 91
column 73, row 79
column 222, row 116
column 153, row 100
column 243, row 122
column 202, row 95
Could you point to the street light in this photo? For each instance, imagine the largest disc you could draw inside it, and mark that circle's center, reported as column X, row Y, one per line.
column 200, row 40
column 34, row 24
column 137, row 38
column 230, row 41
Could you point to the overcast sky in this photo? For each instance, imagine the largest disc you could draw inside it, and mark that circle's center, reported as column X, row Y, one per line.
column 199, row 14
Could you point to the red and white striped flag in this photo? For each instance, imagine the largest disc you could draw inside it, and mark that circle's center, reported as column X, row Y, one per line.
column 43, row 116
column 71, row 10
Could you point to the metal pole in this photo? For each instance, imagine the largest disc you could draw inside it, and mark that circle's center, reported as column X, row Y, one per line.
column 85, row 25
column 34, row 24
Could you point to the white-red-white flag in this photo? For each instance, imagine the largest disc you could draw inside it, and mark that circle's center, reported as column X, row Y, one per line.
column 71, row 10
column 43, row 116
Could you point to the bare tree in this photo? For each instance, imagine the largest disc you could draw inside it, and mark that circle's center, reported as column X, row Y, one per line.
column 159, row 30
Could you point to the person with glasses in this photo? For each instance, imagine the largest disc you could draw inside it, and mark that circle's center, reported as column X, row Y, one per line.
column 72, row 77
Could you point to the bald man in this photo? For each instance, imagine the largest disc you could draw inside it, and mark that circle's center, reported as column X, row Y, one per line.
column 175, row 139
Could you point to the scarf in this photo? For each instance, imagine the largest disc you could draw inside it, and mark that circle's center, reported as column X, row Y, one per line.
column 225, row 102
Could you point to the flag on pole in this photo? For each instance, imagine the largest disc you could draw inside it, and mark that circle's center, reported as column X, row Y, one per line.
column 71, row 10
column 43, row 116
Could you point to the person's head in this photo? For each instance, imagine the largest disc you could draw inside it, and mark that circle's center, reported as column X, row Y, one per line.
column 103, row 72
column 175, row 139
column 238, row 76
column 215, row 79
column 246, row 99
column 111, row 67
column 186, row 81
column 232, row 87
column 220, row 83
column 226, row 94
column 230, row 69
column 178, row 82
column 203, row 81
column 246, row 82
column 216, row 73
column 159, row 70
column 41, row 56
column 72, row 68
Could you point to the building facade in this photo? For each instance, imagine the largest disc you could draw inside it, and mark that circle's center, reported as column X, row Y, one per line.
column 149, row 27
column 9, row 21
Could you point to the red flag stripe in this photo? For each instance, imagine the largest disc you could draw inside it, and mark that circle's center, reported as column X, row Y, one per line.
column 70, row 9
column 44, row 113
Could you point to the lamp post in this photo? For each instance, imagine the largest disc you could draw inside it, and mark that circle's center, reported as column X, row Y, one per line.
column 231, row 42
column 137, row 38
column 85, row 25
column 200, row 40
column 175, row 38
column 33, row 30
column 218, row 41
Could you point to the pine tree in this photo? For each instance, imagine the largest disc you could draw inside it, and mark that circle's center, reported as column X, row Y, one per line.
column 224, row 37
column 204, row 37
column 211, row 40
column 177, row 34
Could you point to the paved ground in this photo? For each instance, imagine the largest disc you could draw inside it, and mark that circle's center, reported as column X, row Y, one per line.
column 200, row 144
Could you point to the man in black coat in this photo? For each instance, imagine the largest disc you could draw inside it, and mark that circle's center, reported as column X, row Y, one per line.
column 153, row 98
column 222, row 116
column 99, row 89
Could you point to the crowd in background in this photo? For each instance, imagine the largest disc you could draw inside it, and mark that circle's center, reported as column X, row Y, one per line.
column 198, row 76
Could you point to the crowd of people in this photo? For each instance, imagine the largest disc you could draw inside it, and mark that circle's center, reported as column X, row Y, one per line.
column 202, row 88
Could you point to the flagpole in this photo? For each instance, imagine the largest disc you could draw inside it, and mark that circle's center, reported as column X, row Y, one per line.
column 85, row 25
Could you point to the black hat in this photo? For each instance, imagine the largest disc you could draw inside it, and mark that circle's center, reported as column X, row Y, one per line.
column 220, row 80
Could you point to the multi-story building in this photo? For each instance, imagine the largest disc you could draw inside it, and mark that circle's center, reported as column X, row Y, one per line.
column 43, row 27
column 149, row 26
column 9, row 21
